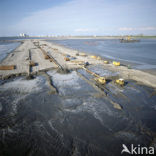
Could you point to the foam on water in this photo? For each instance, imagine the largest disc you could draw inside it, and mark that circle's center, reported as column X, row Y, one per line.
column 64, row 79
column 20, row 88
column 70, row 84
column 23, row 86
column 54, row 122
column 94, row 106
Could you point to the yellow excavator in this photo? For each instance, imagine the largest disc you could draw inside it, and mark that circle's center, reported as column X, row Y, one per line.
column 128, row 39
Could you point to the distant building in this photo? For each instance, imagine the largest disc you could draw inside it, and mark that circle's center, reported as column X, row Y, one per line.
column 23, row 35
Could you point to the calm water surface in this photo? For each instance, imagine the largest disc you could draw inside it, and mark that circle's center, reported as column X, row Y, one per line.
column 6, row 48
column 142, row 53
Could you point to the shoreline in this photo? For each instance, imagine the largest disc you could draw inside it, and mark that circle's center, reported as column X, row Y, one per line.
column 149, row 76
column 11, row 51
column 92, row 53
column 18, row 39
column 146, row 78
column 132, row 64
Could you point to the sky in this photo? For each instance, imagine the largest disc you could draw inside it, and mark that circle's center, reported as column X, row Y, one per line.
column 77, row 17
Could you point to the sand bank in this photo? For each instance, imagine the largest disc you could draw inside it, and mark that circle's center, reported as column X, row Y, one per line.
column 137, row 75
column 20, row 57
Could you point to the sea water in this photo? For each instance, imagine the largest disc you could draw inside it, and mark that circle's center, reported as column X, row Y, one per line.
column 6, row 48
column 142, row 54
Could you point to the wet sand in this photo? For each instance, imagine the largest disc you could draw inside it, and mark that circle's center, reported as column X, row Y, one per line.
column 138, row 75
column 20, row 58
column 68, row 113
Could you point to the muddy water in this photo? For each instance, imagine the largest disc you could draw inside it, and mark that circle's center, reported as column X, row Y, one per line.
column 79, row 120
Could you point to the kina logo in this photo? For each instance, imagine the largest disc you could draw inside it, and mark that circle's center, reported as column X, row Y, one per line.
column 138, row 150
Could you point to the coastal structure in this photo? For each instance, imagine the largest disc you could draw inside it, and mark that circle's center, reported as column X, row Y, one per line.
column 40, row 49
column 23, row 35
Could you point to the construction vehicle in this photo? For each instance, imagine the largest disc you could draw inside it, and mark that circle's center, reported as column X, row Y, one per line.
column 116, row 63
column 120, row 82
column 100, row 80
column 128, row 39
column 66, row 59
column 106, row 62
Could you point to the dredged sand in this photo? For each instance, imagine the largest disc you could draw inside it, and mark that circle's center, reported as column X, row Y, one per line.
column 20, row 58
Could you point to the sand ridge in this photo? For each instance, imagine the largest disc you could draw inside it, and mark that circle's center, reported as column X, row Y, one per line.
column 20, row 58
